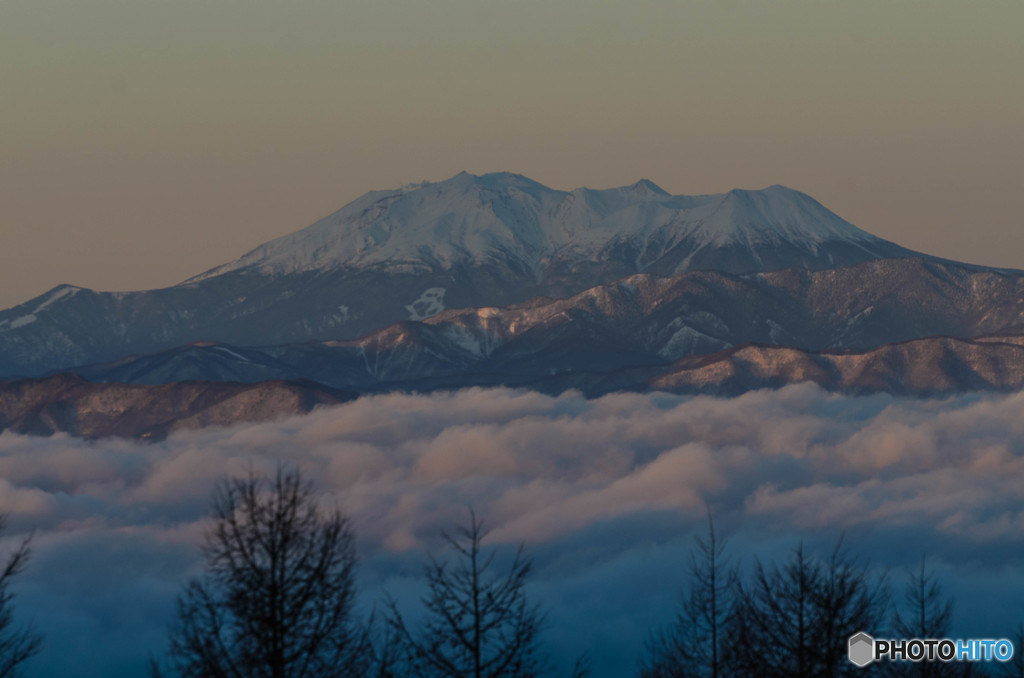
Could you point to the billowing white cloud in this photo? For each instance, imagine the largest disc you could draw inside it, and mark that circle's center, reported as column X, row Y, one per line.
column 605, row 493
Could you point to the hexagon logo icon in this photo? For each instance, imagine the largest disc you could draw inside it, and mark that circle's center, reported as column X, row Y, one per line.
column 862, row 649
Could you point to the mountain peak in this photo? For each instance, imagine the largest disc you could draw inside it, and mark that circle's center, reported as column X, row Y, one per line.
column 649, row 187
column 778, row 213
column 489, row 180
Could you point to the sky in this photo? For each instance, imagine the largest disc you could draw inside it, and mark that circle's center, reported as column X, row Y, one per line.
column 606, row 495
column 144, row 141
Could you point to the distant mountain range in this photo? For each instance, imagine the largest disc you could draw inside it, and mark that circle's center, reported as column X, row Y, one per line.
column 639, row 321
column 408, row 254
column 498, row 280
column 920, row 367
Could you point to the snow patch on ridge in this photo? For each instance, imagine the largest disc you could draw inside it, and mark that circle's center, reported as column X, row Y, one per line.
column 65, row 292
column 225, row 349
column 20, row 322
column 431, row 302
column 688, row 341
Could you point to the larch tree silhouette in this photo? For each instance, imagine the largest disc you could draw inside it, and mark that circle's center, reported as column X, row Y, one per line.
column 18, row 644
column 796, row 621
column 927, row 613
column 479, row 623
column 695, row 645
column 277, row 594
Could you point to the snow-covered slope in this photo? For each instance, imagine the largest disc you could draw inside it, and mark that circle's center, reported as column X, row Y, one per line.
column 476, row 219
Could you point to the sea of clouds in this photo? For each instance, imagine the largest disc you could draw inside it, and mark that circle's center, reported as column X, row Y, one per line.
column 606, row 494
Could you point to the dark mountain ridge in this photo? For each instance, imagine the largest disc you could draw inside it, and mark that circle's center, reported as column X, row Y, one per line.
column 67, row 403
column 931, row 366
column 640, row 321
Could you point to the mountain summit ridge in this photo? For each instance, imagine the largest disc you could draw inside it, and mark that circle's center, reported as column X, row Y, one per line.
column 471, row 218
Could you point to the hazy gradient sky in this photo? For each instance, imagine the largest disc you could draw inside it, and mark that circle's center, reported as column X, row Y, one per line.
column 143, row 141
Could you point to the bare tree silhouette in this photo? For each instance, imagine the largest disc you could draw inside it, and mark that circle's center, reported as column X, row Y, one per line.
column 276, row 598
column 479, row 623
column 795, row 621
column 694, row 644
column 17, row 644
column 927, row 613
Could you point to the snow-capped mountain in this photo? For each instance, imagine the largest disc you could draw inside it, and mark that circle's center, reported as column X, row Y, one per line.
column 475, row 220
column 411, row 253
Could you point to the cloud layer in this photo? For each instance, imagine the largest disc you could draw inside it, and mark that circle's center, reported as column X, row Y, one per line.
column 605, row 493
